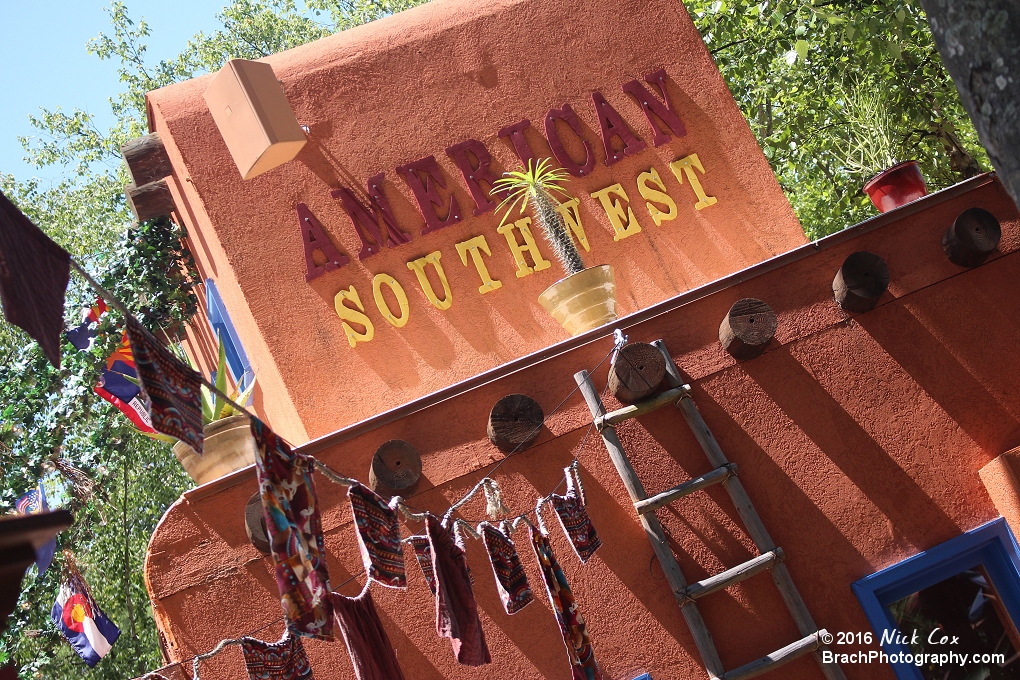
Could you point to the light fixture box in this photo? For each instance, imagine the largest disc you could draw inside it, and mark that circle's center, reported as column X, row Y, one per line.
column 250, row 109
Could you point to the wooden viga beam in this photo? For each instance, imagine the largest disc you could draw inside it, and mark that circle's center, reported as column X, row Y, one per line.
column 149, row 201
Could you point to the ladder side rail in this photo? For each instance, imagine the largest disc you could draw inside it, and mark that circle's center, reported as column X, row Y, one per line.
column 656, row 536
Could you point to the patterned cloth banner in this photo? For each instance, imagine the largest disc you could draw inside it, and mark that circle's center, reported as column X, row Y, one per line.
column 283, row 660
column 378, row 531
column 423, row 555
column 368, row 644
column 295, row 534
column 575, row 634
column 511, row 581
column 34, row 272
column 574, row 517
column 169, row 388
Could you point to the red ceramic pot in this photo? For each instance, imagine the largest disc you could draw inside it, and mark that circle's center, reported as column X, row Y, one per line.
column 899, row 185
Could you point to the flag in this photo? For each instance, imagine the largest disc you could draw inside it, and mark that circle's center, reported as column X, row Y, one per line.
column 116, row 386
column 33, row 503
column 81, row 335
column 83, row 624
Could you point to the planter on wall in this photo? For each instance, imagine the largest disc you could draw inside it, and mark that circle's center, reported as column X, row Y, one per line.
column 582, row 301
column 228, row 446
column 899, row 185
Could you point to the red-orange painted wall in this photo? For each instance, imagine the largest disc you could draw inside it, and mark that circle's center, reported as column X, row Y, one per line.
column 859, row 440
column 410, row 86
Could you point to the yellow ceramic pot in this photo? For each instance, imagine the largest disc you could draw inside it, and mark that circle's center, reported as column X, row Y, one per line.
column 582, row 301
column 228, row 446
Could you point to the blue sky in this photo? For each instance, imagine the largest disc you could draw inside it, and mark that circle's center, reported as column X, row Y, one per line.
column 44, row 63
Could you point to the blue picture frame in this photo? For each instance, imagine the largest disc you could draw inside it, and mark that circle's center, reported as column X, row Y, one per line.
column 991, row 546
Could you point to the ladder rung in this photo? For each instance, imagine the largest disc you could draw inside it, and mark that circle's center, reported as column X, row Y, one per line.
column 739, row 573
column 805, row 645
column 634, row 410
column 690, row 486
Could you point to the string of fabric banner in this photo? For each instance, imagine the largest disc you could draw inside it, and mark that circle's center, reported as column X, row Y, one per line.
column 169, row 392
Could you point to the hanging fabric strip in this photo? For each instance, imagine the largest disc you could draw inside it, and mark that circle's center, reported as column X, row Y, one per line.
column 283, row 660
column 511, row 581
column 378, row 531
column 575, row 634
column 295, row 534
column 574, row 516
column 456, row 609
column 423, row 555
column 367, row 642
column 170, row 389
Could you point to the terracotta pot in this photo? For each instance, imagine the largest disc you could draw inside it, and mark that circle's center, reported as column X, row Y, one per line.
column 228, row 446
column 899, row 185
column 582, row 301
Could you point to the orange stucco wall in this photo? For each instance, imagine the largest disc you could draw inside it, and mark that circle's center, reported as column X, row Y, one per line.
column 858, row 439
column 408, row 87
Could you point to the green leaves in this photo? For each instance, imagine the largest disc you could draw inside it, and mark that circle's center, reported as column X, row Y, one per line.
column 802, row 49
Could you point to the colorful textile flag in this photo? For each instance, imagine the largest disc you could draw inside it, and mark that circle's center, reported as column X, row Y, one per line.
column 33, row 503
column 116, row 386
column 170, row 389
column 83, row 624
column 34, row 272
column 81, row 336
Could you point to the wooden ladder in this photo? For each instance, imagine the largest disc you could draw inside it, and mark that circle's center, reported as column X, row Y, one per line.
column 725, row 473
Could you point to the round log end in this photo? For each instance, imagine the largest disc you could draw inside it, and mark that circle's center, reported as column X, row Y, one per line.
column 396, row 467
column 515, row 422
column 255, row 524
column 860, row 282
column 974, row 235
column 747, row 328
column 637, row 372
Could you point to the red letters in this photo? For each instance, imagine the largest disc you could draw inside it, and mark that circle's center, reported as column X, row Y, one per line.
column 315, row 238
column 368, row 222
column 427, row 195
column 613, row 126
column 515, row 133
column 567, row 115
column 472, row 176
column 651, row 105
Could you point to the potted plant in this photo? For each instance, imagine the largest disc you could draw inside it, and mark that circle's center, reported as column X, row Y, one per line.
column 585, row 298
column 228, row 442
column 872, row 149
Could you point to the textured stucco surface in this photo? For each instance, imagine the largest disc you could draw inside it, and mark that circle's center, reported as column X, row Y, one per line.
column 410, row 86
column 858, row 439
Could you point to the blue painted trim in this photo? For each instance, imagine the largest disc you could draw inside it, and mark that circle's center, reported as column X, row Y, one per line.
column 645, row 676
column 991, row 545
column 219, row 319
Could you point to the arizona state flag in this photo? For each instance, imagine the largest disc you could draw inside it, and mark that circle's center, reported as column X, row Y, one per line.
column 83, row 624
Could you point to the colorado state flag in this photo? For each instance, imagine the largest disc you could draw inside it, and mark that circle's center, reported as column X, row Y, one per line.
column 83, row 624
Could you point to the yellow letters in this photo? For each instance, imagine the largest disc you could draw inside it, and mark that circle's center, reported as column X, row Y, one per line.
column 418, row 267
column 518, row 250
column 645, row 182
column 473, row 246
column 624, row 223
column 348, row 314
column 686, row 165
column 572, row 218
column 398, row 291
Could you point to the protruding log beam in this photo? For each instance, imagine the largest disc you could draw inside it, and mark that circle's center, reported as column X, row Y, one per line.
column 150, row 200
column 636, row 372
column 255, row 524
column 973, row 236
column 687, row 488
column 146, row 159
column 747, row 328
column 396, row 468
column 515, row 422
column 733, row 576
column 860, row 282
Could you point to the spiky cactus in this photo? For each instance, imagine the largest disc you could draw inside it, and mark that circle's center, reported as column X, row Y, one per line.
column 537, row 184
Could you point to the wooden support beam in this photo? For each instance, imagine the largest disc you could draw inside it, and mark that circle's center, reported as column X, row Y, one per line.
column 860, row 282
column 146, row 159
column 747, row 329
column 656, row 536
column 515, row 423
column 636, row 373
column 150, row 201
column 780, row 657
column 972, row 238
column 741, row 572
column 635, row 410
column 690, row 486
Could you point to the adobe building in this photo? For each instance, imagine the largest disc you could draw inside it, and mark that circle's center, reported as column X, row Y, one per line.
column 370, row 284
